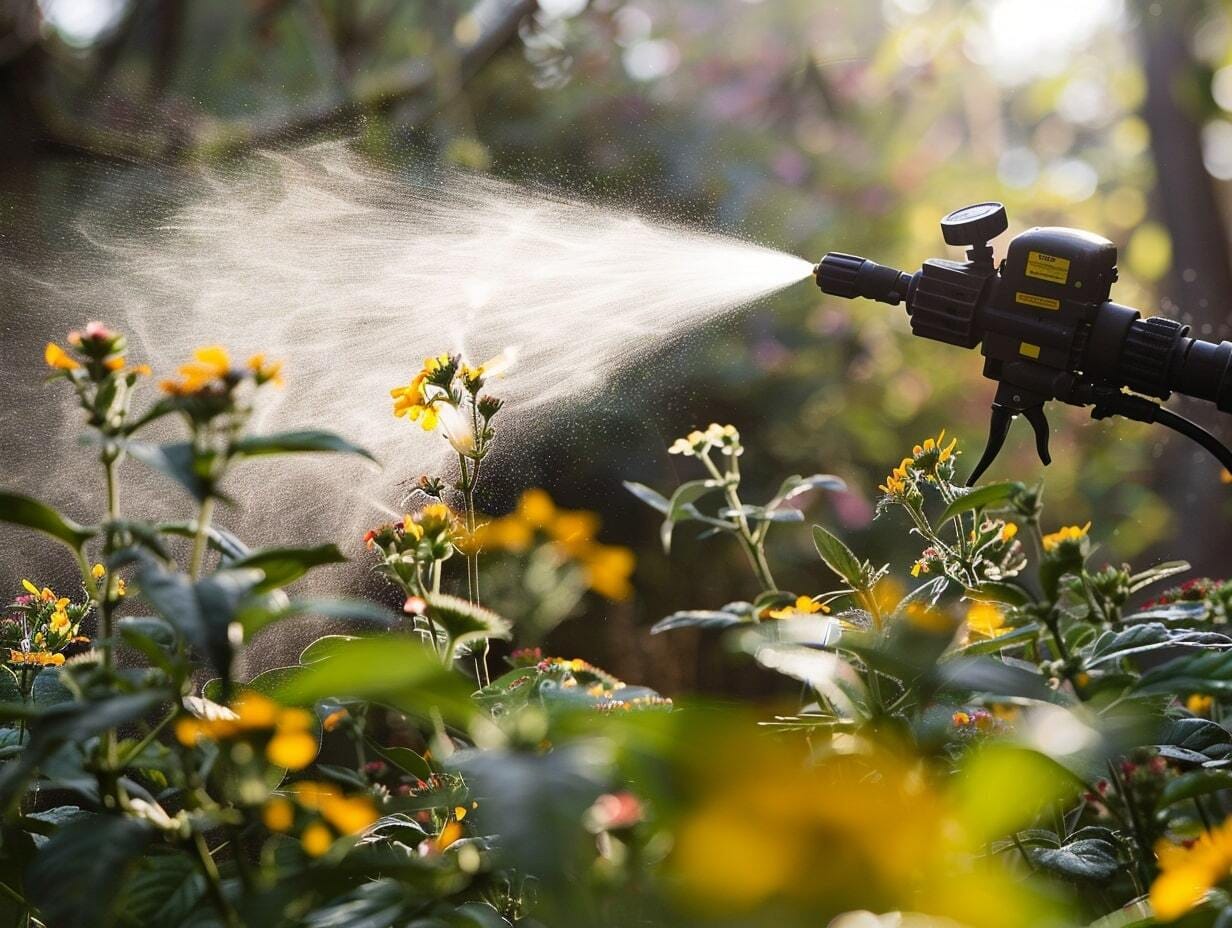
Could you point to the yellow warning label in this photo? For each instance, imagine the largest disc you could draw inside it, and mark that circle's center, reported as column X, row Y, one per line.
column 1027, row 350
column 1047, row 267
column 1039, row 302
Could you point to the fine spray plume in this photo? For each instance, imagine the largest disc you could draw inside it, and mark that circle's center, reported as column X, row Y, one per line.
column 352, row 274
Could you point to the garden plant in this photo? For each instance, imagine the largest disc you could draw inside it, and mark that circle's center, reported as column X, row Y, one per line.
column 1004, row 732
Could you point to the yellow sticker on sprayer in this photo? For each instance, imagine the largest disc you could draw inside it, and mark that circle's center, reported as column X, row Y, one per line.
column 1039, row 302
column 1027, row 350
column 1047, row 267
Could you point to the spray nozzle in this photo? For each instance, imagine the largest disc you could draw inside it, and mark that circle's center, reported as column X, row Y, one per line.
column 850, row 276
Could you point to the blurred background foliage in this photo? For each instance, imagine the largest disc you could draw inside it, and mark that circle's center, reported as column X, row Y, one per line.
column 847, row 125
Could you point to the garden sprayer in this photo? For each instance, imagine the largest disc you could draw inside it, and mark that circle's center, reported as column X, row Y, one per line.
column 1047, row 328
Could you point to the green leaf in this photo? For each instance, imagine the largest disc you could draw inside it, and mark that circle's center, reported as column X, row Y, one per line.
column 262, row 613
column 698, row 618
column 1150, row 636
column 162, row 890
column 400, row 672
column 464, row 622
column 220, row 540
column 763, row 514
column 680, row 507
column 1207, row 672
column 992, row 591
column 30, row 513
column 323, row 648
column 1010, row 639
column 404, row 759
column 796, row 485
column 1145, row 578
column 838, row 557
column 66, row 723
column 652, row 498
column 297, row 443
column 180, row 461
column 75, row 876
column 286, row 565
column 985, row 675
column 1195, row 783
column 980, row 498
column 202, row 611
column 1193, row 740
column 1092, row 860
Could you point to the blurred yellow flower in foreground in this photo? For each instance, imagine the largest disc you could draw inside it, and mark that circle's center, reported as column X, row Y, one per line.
column 291, row 744
column 772, row 829
column 984, row 620
column 1186, row 874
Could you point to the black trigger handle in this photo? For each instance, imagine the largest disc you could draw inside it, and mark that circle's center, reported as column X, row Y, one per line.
column 1039, row 422
column 998, row 429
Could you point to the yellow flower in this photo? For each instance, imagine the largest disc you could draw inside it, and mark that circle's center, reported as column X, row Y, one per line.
column 1186, row 874
column 98, row 571
column 449, row 834
column 348, row 814
column 536, row 508
column 334, row 719
column 40, row 658
column 114, row 363
column 59, row 359
column 1199, row 704
column 933, row 453
column 412, row 528
column 209, row 363
column 264, row 371
column 899, row 481
column 608, row 568
column 804, row 605
column 960, row 719
column 59, row 622
column 316, row 840
column 1008, row 531
column 919, row 567
column 293, row 750
column 1225, row 476
column 1064, row 534
column 984, row 620
column 142, row 370
column 278, row 814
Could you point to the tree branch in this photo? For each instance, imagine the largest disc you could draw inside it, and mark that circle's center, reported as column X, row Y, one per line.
column 417, row 78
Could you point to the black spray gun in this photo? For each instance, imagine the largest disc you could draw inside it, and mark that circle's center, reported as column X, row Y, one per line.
column 1047, row 328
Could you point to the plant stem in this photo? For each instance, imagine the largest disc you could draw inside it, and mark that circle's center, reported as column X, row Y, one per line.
column 752, row 544
column 214, row 882
column 201, row 538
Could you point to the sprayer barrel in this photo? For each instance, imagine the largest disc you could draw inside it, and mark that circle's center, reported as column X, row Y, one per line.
column 851, row 276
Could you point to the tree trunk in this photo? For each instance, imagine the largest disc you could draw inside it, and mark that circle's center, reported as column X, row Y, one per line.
column 1198, row 289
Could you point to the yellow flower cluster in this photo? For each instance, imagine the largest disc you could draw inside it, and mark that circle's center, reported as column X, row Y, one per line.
column 211, row 366
column 291, row 742
column 413, row 402
column 804, row 605
column 332, row 814
column 1075, row 533
column 1187, row 873
column 36, row 658
column 898, row 483
column 607, row 567
column 932, row 453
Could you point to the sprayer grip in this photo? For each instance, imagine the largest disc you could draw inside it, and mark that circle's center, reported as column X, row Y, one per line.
column 851, row 276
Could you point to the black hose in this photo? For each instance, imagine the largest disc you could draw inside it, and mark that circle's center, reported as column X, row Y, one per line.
column 1197, row 433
